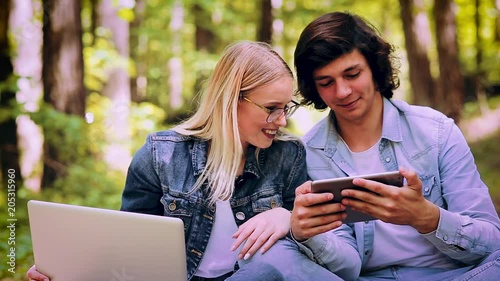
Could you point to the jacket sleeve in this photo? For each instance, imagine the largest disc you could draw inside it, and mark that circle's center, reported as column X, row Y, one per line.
column 335, row 250
column 142, row 192
column 296, row 176
column 468, row 228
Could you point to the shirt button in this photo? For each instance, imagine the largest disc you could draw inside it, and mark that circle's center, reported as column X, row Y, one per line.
column 388, row 159
column 172, row 206
column 445, row 238
column 240, row 216
column 426, row 189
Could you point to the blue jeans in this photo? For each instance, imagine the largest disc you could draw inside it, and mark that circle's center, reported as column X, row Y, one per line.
column 293, row 265
column 257, row 271
column 486, row 270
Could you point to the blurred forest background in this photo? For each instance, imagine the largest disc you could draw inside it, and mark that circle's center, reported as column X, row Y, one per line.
column 84, row 81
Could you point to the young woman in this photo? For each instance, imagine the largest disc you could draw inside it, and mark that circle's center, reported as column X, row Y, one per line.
column 230, row 173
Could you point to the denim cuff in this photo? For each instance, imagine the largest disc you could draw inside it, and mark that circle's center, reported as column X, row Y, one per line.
column 303, row 248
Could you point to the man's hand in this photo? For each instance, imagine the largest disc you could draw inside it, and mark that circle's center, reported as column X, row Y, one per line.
column 313, row 214
column 398, row 205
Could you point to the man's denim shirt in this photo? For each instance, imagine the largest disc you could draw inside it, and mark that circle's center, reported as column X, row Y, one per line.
column 163, row 172
column 428, row 142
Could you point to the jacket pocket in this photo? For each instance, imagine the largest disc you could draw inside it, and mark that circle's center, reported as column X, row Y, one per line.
column 266, row 202
column 178, row 207
column 432, row 190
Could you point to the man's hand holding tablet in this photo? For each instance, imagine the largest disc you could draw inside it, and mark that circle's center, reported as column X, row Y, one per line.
column 336, row 185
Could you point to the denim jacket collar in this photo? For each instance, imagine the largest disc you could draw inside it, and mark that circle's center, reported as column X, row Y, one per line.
column 391, row 128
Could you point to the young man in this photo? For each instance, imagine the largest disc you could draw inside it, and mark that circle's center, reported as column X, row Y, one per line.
column 442, row 224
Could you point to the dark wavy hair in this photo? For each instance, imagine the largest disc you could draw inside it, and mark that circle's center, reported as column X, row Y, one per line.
column 335, row 34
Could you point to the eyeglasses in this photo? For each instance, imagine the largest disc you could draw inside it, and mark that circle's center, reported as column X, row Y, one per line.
column 276, row 113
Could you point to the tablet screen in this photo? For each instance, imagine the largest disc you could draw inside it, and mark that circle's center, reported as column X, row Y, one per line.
column 336, row 185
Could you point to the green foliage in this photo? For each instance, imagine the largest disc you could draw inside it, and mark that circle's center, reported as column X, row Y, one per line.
column 472, row 109
column 88, row 181
column 100, row 58
column 145, row 118
column 126, row 14
column 488, row 163
column 11, row 111
column 67, row 132
column 487, row 45
column 9, row 85
column 229, row 21
column 13, row 108
column 159, row 42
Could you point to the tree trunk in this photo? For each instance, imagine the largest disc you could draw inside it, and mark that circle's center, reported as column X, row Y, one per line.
column 480, row 90
column 497, row 27
column 450, row 90
column 117, row 89
column 27, row 35
column 175, row 63
column 265, row 33
column 9, row 152
column 417, row 39
column 205, row 40
column 138, row 79
column 62, row 71
column 94, row 5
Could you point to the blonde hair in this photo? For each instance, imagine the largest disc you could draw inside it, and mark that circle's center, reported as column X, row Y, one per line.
column 244, row 67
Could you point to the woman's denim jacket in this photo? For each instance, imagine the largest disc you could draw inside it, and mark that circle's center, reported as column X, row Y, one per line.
column 428, row 142
column 163, row 172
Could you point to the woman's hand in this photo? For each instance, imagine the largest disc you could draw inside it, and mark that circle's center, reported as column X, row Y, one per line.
column 261, row 232
column 34, row 275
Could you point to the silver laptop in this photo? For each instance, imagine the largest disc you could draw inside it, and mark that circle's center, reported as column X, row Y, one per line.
column 89, row 244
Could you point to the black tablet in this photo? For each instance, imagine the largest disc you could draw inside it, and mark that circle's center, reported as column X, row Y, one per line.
column 336, row 185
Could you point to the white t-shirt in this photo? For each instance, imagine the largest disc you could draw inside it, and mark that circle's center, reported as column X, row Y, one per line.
column 218, row 259
column 396, row 244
